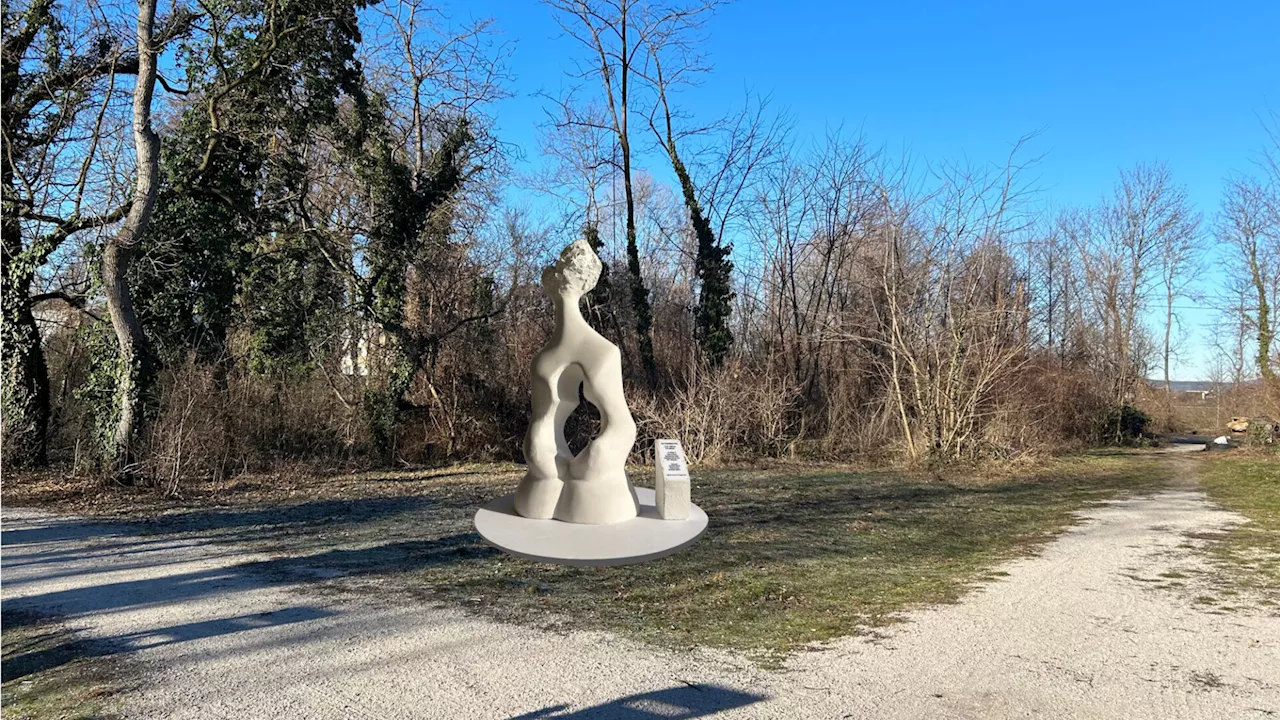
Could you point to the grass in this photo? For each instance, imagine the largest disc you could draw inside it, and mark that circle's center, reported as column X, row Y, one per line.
column 1249, row 554
column 804, row 557
column 794, row 555
column 48, row 673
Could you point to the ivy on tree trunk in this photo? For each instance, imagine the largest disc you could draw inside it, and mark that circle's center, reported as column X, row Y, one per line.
column 26, row 379
column 713, row 269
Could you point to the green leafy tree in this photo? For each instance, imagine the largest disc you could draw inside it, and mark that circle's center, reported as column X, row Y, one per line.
column 229, row 244
column 405, row 207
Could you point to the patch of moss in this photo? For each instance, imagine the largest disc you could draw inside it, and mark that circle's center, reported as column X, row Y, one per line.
column 49, row 674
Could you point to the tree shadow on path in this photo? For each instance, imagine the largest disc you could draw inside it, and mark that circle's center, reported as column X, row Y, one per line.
column 681, row 703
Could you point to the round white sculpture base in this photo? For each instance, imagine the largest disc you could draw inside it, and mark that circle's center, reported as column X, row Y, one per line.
column 645, row 537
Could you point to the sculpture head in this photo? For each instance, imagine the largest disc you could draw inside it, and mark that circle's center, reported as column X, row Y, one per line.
column 574, row 274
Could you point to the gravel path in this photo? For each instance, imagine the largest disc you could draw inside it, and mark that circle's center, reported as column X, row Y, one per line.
column 1079, row 631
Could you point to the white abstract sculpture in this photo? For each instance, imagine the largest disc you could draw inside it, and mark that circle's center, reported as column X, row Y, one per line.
column 591, row 487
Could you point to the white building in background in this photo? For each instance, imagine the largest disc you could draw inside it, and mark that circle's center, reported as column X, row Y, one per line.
column 355, row 355
column 355, row 352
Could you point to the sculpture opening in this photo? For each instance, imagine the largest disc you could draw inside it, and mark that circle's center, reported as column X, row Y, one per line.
column 582, row 425
column 591, row 486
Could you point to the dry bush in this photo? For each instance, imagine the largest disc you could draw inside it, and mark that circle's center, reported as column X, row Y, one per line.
column 846, row 412
column 211, row 428
column 462, row 416
column 720, row 414
column 190, row 437
column 1062, row 407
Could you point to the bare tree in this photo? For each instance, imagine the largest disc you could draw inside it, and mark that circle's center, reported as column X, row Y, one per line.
column 1055, row 287
column 1179, row 239
column 954, row 314
column 1121, row 247
column 740, row 149
column 136, row 365
column 575, row 137
column 1248, row 224
column 614, row 32
column 63, row 124
column 434, row 72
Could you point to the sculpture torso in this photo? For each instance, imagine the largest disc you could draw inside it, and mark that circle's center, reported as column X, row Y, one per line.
column 591, row 487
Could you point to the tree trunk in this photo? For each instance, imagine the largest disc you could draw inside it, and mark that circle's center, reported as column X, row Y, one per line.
column 1168, row 346
column 639, row 293
column 26, row 378
column 137, row 369
column 712, row 265
column 1265, row 333
column 24, row 392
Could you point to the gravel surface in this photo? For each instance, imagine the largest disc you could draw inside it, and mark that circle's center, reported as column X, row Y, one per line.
column 1082, row 630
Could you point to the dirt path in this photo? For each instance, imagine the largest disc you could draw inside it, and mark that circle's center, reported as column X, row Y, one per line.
column 1080, row 631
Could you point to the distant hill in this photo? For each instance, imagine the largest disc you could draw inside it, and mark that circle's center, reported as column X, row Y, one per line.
column 1193, row 385
column 1186, row 385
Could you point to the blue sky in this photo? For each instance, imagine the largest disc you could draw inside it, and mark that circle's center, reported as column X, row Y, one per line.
column 1108, row 84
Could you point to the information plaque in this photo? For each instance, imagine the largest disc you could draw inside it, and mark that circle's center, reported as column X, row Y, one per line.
column 671, row 480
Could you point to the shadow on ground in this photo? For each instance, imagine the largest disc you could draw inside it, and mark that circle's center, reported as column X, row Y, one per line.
column 23, row 549
column 682, row 703
column 45, row 645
